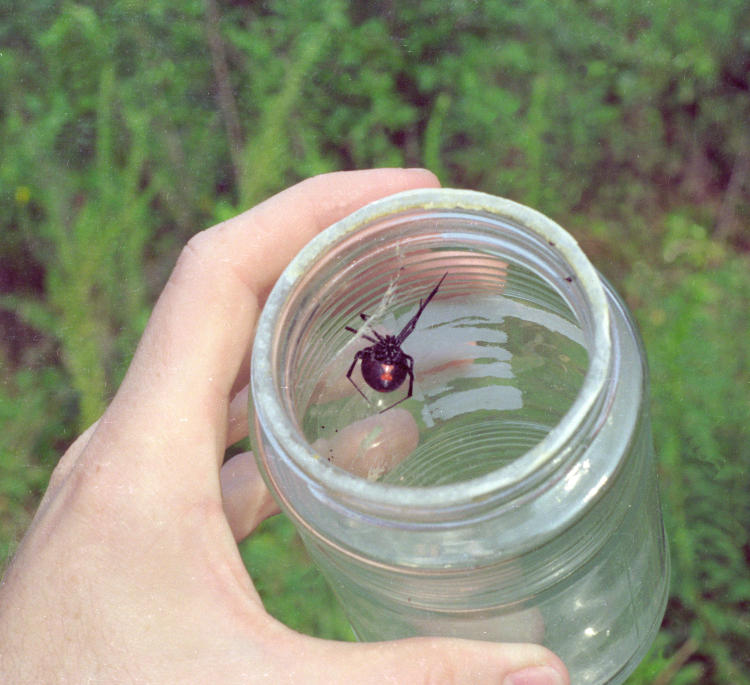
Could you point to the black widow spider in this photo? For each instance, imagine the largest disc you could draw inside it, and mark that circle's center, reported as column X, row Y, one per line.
column 384, row 365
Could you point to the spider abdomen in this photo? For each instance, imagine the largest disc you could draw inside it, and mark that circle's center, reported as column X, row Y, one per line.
column 383, row 376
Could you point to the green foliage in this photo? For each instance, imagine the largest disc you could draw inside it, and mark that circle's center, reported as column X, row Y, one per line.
column 37, row 415
column 127, row 125
column 91, row 240
column 291, row 588
column 694, row 309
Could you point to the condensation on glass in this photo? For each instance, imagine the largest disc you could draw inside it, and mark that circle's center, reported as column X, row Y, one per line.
column 525, row 506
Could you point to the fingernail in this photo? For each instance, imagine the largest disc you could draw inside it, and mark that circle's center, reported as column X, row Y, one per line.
column 537, row 675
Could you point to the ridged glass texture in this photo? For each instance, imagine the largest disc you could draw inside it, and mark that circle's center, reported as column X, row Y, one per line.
column 529, row 509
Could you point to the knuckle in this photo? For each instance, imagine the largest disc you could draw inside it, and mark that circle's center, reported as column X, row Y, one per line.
column 196, row 259
column 441, row 671
column 437, row 662
column 195, row 251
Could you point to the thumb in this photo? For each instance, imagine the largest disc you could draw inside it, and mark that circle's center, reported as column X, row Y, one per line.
column 443, row 661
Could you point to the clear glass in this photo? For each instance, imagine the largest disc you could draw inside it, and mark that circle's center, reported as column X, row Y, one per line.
column 527, row 508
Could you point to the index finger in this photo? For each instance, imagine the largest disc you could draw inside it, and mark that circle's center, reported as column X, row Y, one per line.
column 201, row 327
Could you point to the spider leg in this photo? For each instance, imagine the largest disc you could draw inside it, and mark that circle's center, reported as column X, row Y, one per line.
column 355, row 331
column 365, row 318
column 357, row 357
column 410, row 371
column 406, row 331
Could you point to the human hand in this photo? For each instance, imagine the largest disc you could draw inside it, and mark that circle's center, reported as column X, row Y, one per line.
column 130, row 570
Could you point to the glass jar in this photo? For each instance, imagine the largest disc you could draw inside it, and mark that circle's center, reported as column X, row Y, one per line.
column 525, row 507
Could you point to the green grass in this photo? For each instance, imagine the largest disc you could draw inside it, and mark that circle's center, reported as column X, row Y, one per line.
column 292, row 589
column 125, row 129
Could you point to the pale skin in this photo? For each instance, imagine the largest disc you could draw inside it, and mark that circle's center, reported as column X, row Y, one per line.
column 129, row 572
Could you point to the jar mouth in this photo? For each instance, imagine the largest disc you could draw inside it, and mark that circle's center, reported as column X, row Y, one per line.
column 283, row 429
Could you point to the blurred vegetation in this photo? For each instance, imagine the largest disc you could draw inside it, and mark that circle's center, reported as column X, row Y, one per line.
column 127, row 125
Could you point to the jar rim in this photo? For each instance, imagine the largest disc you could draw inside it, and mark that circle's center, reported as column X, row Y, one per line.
column 284, row 430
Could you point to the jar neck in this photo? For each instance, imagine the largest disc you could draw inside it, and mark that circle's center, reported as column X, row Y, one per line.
column 309, row 295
